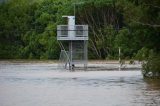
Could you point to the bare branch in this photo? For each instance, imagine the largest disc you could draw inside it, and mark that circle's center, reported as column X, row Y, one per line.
column 146, row 24
column 152, row 5
column 95, row 48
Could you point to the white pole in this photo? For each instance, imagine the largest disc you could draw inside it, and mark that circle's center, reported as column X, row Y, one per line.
column 75, row 9
column 119, row 59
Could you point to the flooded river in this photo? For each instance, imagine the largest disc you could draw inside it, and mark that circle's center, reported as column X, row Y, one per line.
column 42, row 84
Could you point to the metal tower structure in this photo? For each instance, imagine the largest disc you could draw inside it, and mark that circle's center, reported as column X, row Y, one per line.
column 73, row 40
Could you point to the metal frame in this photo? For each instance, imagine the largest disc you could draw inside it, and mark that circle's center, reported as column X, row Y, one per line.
column 76, row 37
column 80, row 32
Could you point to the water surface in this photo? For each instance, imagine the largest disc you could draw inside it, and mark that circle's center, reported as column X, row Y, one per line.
column 42, row 84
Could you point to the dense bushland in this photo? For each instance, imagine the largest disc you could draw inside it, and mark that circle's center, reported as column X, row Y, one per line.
column 28, row 28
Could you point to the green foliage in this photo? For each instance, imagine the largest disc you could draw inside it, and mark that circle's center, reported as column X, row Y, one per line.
column 31, row 27
column 123, row 40
column 152, row 67
column 142, row 54
column 28, row 27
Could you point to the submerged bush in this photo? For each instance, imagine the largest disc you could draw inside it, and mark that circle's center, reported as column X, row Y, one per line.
column 151, row 68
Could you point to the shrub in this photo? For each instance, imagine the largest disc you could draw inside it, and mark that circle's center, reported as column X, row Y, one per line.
column 142, row 54
column 151, row 67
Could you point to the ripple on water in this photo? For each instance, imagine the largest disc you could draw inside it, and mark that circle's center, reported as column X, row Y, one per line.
column 43, row 85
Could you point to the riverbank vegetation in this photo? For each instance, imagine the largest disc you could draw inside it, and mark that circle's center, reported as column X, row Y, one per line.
column 28, row 28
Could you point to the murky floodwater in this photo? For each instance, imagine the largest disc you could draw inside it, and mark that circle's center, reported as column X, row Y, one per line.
column 42, row 84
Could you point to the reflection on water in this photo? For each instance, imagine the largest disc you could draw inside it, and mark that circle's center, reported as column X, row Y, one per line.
column 43, row 84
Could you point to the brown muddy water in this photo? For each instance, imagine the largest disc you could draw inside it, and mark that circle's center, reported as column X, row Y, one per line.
column 42, row 84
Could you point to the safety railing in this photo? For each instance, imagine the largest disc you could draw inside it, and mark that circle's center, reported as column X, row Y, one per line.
column 76, row 32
